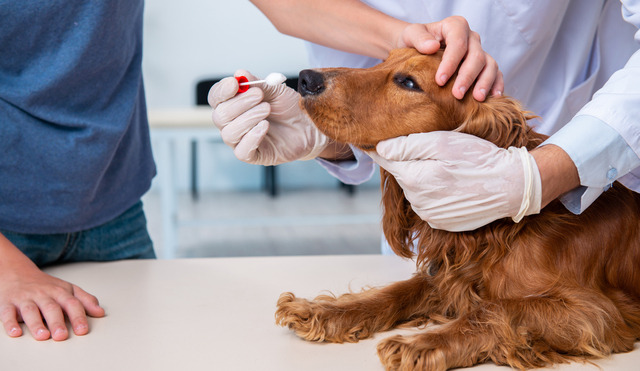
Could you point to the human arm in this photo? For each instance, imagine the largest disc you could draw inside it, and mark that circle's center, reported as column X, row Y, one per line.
column 39, row 300
column 352, row 26
column 603, row 138
column 599, row 155
column 348, row 25
column 558, row 173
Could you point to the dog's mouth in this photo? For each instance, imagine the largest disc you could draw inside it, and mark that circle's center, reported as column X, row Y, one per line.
column 334, row 121
column 339, row 130
column 365, row 147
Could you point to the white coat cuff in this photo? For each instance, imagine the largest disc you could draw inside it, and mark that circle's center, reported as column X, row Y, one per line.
column 600, row 154
column 355, row 171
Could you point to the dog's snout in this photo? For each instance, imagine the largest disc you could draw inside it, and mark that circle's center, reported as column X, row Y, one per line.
column 310, row 82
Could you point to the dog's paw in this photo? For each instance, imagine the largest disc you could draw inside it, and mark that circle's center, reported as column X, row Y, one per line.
column 318, row 320
column 404, row 353
column 299, row 315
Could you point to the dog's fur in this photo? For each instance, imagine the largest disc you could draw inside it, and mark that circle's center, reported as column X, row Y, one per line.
column 554, row 288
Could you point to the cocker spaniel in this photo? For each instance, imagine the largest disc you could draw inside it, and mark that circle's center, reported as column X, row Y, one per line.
column 554, row 288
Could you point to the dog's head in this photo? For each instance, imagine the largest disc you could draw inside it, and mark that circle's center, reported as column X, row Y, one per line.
column 400, row 97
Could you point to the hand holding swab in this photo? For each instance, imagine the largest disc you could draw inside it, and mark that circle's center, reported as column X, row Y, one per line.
column 272, row 79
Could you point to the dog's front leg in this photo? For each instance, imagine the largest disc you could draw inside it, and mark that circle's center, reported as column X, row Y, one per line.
column 356, row 316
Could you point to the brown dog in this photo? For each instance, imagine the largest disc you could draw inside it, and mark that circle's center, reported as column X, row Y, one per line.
column 554, row 288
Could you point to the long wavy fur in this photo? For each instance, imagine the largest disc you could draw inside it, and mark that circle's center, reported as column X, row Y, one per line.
column 554, row 288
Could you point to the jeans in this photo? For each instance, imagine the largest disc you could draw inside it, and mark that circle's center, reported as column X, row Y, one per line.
column 125, row 237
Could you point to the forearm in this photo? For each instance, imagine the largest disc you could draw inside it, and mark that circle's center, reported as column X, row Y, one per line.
column 347, row 25
column 11, row 257
column 558, row 174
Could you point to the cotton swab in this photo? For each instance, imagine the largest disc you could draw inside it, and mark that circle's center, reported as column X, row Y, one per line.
column 272, row 79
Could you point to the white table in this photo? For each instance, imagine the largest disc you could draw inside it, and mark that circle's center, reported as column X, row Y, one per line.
column 217, row 314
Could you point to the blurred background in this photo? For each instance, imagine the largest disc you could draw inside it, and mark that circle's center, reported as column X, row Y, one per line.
column 216, row 205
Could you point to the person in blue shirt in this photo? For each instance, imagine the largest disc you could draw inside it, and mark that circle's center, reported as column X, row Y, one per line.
column 76, row 154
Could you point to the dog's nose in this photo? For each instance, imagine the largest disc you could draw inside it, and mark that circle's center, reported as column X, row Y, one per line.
column 310, row 82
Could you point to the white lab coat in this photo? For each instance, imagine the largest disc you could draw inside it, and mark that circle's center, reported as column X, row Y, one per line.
column 554, row 54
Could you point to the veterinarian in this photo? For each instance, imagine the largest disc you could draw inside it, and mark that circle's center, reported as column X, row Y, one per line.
column 76, row 154
column 553, row 56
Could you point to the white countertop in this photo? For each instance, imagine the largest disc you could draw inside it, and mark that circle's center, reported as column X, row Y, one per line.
column 217, row 314
column 185, row 117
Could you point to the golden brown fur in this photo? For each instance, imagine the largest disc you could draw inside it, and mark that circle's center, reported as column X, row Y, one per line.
column 553, row 288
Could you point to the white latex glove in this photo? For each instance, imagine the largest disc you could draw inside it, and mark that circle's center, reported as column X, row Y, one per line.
column 459, row 182
column 264, row 125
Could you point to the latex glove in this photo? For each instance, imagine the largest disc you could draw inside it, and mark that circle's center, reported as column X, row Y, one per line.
column 265, row 125
column 459, row 182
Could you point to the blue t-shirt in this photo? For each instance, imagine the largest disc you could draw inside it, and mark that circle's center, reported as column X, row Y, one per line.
column 74, row 138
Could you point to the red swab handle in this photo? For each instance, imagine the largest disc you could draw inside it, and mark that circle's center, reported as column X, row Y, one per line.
column 242, row 88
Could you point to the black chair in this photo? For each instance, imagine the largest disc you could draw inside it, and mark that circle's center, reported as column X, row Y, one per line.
column 270, row 184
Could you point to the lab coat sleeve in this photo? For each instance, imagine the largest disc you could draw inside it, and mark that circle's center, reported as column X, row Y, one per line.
column 351, row 172
column 600, row 154
column 603, row 139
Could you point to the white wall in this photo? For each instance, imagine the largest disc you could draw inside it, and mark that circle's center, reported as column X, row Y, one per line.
column 190, row 40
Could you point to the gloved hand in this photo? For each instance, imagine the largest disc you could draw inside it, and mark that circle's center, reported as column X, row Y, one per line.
column 459, row 182
column 265, row 125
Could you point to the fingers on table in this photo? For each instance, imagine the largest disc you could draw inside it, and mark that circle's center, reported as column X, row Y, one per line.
column 9, row 318
column 45, row 316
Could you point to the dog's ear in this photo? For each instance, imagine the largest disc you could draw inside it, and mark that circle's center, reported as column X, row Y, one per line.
column 502, row 121
column 399, row 219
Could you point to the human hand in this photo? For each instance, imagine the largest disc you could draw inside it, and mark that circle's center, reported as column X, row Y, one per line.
column 41, row 301
column 463, row 49
column 459, row 182
column 265, row 125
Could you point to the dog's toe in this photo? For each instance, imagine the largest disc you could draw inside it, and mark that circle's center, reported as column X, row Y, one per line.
column 404, row 353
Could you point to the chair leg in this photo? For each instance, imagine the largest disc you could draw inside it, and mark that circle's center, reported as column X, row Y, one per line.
column 349, row 188
column 194, row 169
column 270, row 181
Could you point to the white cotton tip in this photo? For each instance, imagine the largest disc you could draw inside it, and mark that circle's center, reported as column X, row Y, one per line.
column 275, row 78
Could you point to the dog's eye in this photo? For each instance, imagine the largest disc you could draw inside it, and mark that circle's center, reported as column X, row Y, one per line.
column 406, row 82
